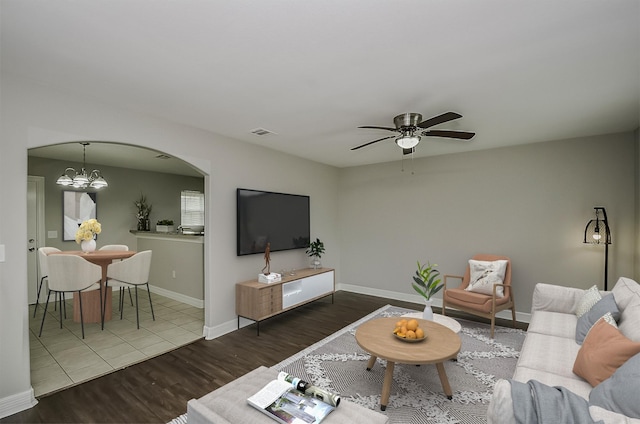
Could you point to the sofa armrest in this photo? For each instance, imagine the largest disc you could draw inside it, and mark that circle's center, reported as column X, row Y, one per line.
column 554, row 298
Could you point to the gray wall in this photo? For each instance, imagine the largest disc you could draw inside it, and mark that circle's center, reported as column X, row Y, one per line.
column 115, row 209
column 529, row 202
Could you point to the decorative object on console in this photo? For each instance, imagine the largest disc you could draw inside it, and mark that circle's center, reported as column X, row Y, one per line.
column 315, row 251
column 164, row 226
column 85, row 236
column 597, row 232
column 80, row 179
column 142, row 215
column 427, row 283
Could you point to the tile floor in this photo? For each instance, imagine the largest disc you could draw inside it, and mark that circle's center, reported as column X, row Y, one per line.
column 61, row 358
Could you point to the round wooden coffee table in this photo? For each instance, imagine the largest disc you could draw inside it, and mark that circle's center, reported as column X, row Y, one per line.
column 376, row 337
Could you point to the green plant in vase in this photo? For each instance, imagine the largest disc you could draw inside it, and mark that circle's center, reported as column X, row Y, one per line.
column 315, row 251
column 427, row 283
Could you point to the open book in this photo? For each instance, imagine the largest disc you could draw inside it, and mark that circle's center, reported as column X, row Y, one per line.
column 292, row 401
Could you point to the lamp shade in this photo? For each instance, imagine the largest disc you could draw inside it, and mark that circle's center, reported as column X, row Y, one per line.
column 597, row 230
column 408, row 141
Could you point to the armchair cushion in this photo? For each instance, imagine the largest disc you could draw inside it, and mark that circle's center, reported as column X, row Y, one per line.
column 485, row 274
column 477, row 301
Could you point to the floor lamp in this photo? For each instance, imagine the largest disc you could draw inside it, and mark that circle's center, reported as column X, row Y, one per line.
column 597, row 232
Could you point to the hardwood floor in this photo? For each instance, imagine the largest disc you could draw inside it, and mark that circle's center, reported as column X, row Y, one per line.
column 157, row 390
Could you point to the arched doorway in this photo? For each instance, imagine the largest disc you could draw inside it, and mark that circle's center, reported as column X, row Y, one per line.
column 130, row 172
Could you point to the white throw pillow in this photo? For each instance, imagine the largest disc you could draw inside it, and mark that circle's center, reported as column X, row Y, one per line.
column 484, row 274
column 590, row 297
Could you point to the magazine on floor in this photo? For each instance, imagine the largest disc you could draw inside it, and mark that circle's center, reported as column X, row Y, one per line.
column 289, row 400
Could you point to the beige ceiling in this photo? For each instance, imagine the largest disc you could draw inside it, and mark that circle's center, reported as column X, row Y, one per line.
column 313, row 71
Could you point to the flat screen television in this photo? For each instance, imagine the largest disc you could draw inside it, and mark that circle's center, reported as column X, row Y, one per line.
column 267, row 217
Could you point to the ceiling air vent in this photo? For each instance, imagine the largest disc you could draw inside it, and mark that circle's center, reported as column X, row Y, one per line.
column 161, row 156
column 261, row 132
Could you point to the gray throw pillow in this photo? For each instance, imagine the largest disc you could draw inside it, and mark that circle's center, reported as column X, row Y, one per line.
column 619, row 393
column 586, row 321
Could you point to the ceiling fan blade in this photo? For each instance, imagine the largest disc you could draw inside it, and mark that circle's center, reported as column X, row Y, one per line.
column 445, row 117
column 379, row 128
column 371, row 142
column 462, row 135
column 408, row 151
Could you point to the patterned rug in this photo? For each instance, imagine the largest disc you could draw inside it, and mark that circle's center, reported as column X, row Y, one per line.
column 339, row 364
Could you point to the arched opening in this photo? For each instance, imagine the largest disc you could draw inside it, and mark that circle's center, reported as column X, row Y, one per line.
column 177, row 275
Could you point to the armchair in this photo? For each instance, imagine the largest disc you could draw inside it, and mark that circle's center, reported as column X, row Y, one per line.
column 480, row 304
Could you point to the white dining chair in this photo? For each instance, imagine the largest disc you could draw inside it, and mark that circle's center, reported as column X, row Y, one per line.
column 44, row 271
column 119, row 247
column 131, row 272
column 72, row 274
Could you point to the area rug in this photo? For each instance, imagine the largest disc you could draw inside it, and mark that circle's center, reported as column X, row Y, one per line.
column 339, row 364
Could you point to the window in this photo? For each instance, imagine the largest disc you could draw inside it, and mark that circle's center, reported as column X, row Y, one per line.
column 191, row 208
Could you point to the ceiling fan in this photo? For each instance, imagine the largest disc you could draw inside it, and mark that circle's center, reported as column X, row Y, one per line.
column 410, row 124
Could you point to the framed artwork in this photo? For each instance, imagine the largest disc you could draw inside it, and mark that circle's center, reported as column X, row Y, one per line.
column 77, row 206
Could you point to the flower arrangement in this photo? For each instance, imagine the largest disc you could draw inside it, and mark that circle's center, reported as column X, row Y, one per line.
column 87, row 230
column 426, row 281
column 142, row 215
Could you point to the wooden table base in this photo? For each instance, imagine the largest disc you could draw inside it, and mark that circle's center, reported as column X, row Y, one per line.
column 91, row 311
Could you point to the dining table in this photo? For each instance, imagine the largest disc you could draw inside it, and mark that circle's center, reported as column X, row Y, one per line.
column 92, row 310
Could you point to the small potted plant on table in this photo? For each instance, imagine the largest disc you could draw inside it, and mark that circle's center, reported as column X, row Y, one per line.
column 164, row 226
column 427, row 283
column 315, row 251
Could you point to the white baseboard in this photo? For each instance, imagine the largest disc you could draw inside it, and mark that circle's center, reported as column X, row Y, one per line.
column 198, row 303
column 17, row 402
column 415, row 298
column 211, row 333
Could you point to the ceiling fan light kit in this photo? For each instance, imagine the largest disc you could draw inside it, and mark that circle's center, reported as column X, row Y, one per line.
column 407, row 124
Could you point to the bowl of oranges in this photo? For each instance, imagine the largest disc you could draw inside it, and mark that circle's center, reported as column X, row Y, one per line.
column 408, row 330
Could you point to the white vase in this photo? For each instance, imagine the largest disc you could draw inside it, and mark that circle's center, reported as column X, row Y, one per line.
column 428, row 312
column 88, row 245
column 315, row 263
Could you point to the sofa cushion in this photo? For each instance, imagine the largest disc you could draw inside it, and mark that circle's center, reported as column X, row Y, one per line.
column 557, row 324
column 605, row 305
column 574, row 383
column 627, row 293
column 604, row 350
column 619, row 393
column 485, row 274
column 551, row 354
column 590, row 297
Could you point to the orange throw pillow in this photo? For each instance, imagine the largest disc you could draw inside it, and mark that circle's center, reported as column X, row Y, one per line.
column 604, row 350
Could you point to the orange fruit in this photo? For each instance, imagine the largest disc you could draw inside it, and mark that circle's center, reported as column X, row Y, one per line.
column 411, row 334
column 412, row 324
column 419, row 333
column 401, row 323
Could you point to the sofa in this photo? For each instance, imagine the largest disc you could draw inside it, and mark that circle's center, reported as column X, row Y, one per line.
column 228, row 404
column 567, row 351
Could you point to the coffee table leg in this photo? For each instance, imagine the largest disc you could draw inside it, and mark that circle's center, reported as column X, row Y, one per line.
column 371, row 363
column 386, row 385
column 444, row 381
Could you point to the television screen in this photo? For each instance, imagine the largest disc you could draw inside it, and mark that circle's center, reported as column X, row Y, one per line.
column 276, row 218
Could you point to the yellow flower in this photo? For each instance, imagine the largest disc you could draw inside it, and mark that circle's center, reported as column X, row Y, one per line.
column 87, row 230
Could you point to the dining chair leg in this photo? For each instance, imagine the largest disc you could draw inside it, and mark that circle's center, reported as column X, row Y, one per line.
column 38, row 296
column 102, row 312
column 150, row 303
column 130, row 298
column 81, row 317
column 61, row 300
column 121, row 302
column 137, row 316
column 46, row 305
column 64, row 303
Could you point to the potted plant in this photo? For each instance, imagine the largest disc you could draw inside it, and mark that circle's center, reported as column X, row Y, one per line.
column 427, row 283
column 315, row 251
column 142, row 215
column 164, row 226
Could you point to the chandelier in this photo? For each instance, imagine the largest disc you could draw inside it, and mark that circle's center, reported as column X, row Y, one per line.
column 80, row 179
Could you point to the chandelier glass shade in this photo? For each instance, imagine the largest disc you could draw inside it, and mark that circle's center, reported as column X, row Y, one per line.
column 81, row 179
